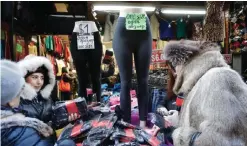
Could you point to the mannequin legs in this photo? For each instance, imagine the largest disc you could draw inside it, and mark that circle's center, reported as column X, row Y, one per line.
column 139, row 43
column 88, row 61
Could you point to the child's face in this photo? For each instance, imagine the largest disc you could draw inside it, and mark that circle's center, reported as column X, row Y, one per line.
column 36, row 80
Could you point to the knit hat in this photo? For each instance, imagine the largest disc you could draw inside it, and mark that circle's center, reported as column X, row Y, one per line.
column 12, row 81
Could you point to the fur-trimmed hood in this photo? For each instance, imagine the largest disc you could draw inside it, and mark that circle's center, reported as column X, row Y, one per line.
column 195, row 58
column 10, row 120
column 31, row 64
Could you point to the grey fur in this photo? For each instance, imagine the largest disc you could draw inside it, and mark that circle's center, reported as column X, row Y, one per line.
column 215, row 97
column 10, row 119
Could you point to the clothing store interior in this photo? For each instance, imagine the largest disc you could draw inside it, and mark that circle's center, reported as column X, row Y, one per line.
column 111, row 69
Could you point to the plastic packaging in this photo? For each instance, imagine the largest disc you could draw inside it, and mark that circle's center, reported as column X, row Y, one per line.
column 101, row 130
column 127, row 135
column 128, row 144
column 63, row 109
column 123, row 124
column 153, row 140
column 75, row 131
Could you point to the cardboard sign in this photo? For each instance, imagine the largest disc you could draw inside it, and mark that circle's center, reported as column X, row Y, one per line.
column 85, row 42
column 157, row 56
column 135, row 21
column 85, row 38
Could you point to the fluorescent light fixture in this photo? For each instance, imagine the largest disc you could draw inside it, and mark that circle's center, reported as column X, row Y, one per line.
column 68, row 16
column 183, row 11
column 118, row 8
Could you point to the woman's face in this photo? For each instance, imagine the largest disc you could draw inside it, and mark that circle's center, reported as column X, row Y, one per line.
column 36, row 80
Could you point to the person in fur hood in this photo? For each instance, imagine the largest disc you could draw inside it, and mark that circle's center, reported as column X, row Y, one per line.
column 214, row 112
column 16, row 129
column 40, row 81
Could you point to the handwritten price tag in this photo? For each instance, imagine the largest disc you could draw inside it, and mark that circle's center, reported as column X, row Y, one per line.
column 85, row 42
column 135, row 21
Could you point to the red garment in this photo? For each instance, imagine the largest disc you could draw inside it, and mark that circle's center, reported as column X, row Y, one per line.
column 66, row 54
column 154, row 45
column 58, row 45
column 53, row 61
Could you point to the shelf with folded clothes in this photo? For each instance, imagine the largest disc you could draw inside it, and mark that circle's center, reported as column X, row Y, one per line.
column 238, row 28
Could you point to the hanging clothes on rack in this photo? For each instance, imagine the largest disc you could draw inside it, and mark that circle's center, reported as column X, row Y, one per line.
column 20, row 50
column 58, row 45
column 49, row 43
column 110, row 24
column 60, row 64
column 197, row 31
column 154, row 24
column 5, row 46
column 32, row 49
column 181, row 28
column 213, row 29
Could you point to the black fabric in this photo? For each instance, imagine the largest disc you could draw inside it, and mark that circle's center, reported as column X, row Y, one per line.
column 125, row 43
column 90, row 58
column 23, row 136
column 189, row 28
column 54, row 96
column 39, row 108
column 109, row 72
column 65, row 78
column 65, row 95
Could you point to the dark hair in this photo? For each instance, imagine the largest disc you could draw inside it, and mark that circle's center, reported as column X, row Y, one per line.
column 43, row 70
column 64, row 70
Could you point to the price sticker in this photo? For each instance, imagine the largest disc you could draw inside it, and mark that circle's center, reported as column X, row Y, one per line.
column 135, row 21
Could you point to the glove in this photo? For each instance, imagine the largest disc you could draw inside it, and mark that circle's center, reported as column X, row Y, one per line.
column 163, row 111
column 172, row 118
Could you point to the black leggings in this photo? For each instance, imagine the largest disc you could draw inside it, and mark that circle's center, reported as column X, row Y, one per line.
column 88, row 61
column 126, row 42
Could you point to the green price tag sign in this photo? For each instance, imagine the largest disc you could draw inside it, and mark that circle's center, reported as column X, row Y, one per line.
column 135, row 21
column 18, row 48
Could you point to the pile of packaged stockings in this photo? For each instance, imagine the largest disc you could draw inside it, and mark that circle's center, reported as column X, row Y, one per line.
column 109, row 130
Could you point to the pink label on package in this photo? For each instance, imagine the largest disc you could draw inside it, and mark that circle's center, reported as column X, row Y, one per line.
column 133, row 93
column 89, row 91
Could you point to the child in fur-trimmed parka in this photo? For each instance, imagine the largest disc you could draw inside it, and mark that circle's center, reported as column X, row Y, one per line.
column 40, row 81
column 214, row 112
column 16, row 128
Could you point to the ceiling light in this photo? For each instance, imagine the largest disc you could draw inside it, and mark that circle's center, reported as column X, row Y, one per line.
column 118, row 8
column 185, row 12
column 68, row 16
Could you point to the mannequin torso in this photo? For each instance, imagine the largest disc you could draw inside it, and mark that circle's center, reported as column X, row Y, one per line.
column 125, row 11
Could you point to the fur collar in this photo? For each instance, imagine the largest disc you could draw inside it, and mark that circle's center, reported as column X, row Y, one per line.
column 31, row 64
column 10, row 119
column 195, row 58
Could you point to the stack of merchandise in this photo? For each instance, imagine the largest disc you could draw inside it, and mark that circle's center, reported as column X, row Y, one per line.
column 158, row 78
column 102, row 124
column 108, row 129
